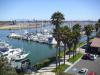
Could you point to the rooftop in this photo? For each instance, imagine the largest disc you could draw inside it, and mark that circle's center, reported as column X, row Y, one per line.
column 95, row 42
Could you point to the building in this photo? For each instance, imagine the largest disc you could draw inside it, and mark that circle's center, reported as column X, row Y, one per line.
column 96, row 44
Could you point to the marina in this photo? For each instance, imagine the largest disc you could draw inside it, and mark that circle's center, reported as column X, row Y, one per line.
column 34, row 47
column 50, row 37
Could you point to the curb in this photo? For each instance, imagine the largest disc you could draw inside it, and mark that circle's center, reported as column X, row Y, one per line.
column 73, row 64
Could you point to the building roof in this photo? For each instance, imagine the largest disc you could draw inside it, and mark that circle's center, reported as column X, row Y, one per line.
column 95, row 42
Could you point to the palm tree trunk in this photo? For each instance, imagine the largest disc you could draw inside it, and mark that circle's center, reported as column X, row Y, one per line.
column 87, row 39
column 64, row 52
column 56, row 57
column 88, row 43
column 59, row 47
column 75, row 46
column 79, row 47
column 73, row 53
column 73, row 50
column 59, row 54
column 69, row 52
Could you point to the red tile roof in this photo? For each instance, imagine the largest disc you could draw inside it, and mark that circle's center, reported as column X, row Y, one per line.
column 95, row 42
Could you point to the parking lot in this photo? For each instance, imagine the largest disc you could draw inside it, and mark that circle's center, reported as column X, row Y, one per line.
column 93, row 66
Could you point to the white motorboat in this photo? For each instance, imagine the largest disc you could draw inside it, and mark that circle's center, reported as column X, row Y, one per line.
column 3, row 50
column 13, row 35
column 34, row 37
column 20, row 56
column 4, row 44
column 11, row 52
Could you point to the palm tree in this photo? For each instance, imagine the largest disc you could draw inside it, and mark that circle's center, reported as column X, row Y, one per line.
column 77, row 27
column 76, row 36
column 63, row 32
column 88, row 32
column 57, row 19
column 67, row 38
column 97, row 27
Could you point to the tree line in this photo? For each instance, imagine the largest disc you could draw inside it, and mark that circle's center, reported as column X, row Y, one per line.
column 70, row 36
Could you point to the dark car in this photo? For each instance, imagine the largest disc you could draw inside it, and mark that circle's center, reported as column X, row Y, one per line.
column 86, row 56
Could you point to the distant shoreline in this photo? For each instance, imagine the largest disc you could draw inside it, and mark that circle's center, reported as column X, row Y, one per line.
column 14, row 27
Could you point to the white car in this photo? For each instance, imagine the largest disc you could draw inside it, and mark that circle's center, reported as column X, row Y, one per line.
column 83, row 71
column 93, row 57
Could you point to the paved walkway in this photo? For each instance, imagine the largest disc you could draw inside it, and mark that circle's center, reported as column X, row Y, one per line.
column 42, row 73
column 53, row 65
column 47, row 70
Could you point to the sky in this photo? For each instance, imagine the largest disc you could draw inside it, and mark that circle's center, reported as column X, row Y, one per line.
column 43, row 9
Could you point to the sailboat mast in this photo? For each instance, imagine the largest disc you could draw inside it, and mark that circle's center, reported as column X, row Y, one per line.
column 21, row 34
column 36, row 27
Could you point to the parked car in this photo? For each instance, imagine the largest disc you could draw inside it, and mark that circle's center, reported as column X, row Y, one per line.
column 86, row 56
column 91, row 73
column 93, row 57
column 89, row 56
column 83, row 71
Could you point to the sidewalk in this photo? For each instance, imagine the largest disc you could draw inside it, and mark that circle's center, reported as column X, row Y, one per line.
column 48, row 70
column 42, row 73
column 53, row 65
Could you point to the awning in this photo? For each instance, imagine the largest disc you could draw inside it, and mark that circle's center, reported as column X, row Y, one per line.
column 95, row 42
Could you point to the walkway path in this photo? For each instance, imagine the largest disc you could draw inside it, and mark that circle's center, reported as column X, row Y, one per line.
column 53, row 65
column 48, row 70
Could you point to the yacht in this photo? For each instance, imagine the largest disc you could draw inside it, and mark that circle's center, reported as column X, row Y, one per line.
column 11, row 52
column 14, row 35
column 3, row 50
column 4, row 45
column 20, row 56
column 34, row 38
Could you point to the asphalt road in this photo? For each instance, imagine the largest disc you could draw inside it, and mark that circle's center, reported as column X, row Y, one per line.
column 93, row 66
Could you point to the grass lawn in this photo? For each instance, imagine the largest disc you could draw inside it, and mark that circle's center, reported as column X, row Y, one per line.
column 82, row 44
column 72, row 60
column 61, row 54
column 79, row 45
column 61, row 68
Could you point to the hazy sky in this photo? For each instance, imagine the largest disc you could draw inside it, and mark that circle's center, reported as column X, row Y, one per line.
column 43, row 9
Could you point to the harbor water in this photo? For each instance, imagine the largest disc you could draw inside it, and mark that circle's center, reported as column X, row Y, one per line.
column 38, row 51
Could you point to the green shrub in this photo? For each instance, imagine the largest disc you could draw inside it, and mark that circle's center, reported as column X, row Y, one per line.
column 75, row 58
column 61, row 68
column 45, row 63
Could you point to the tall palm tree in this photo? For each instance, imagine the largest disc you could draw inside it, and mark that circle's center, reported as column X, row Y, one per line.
column 76, row 36
column 97, row 26
column 88, row 32
column 77, row 27
column 63, row 32
column 67, row 38
column 57, row 19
